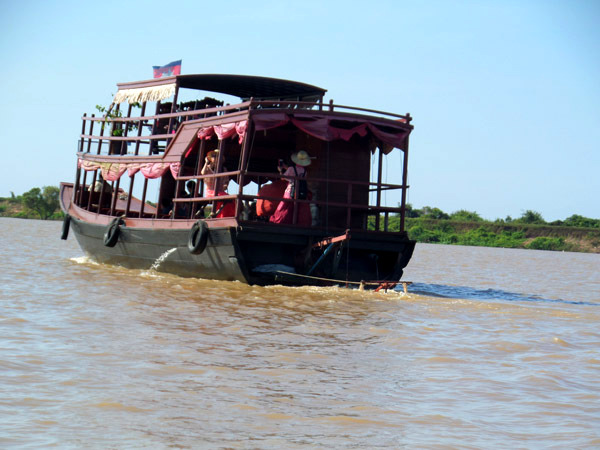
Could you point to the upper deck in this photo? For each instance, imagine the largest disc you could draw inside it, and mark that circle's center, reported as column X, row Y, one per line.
column 273, row 118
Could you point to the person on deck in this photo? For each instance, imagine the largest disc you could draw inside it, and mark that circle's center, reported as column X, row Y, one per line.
column 190, row 189
column 265, row 207
column 215, row 186
column 284, row 214
column 98, row 185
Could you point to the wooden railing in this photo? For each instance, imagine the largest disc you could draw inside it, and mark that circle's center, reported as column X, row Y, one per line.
column 158, row 141
column 363, row 210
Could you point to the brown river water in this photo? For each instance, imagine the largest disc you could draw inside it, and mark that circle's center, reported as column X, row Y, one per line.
column 491, row 348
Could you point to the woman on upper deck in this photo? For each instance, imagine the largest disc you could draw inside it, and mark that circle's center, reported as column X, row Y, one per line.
column 216, row 186
column 284, row 213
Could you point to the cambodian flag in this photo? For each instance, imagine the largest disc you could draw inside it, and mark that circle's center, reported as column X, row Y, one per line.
column 169, row 70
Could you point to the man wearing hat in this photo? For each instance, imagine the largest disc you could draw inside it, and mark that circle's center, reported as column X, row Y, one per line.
column 285, row 210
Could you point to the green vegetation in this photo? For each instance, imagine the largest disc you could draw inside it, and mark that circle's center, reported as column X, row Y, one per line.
column 428, row 224
column 531, row 231
column 108, row 113
column 34, row 204
column 548, row 243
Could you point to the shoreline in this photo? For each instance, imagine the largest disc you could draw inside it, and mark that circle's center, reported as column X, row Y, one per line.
column 575, row 239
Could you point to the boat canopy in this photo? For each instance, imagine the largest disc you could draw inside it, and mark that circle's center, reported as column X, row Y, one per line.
column 326, row 128
column 242, row 86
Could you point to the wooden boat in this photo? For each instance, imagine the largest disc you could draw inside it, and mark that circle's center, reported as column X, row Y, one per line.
column 128, row 157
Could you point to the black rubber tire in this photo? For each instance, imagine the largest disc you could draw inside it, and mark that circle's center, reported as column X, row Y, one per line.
column 111, row 237
column 198, row 237
column 65, row 227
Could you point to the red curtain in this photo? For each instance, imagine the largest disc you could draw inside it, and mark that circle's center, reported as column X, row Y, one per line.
column 322, row 128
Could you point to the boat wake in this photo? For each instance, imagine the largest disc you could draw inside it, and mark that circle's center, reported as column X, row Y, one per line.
column 469, row 293
column 84, row 260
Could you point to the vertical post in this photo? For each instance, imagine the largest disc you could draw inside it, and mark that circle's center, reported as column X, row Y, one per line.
column 91, row 134
column 379, row 175
column 144, row 198
column 219, row 182
column 114, row 126
column 82, row 132
column 82, row 188
column 175, row 204
column 129, row 195
column 199, row 189
column 100, row 197
column 173, row 109
column 153, row 142
column 139, row 133
column 115, row 196
column 404, row 186
column 77, row 185
column 101, row 135
column 89, row 204
column 246, row 148
column 125, row 131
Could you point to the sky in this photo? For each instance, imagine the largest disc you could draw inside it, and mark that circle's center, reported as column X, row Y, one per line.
column 505, row 95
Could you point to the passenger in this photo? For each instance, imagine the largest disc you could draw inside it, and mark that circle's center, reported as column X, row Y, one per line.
column 190, row 189
column 284, row 213
column 216, row 186
column 98, row 185
column 166, row 207
column 184, row 209
column 266, row 208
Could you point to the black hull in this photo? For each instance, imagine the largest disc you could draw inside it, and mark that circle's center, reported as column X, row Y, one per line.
column 243, row 254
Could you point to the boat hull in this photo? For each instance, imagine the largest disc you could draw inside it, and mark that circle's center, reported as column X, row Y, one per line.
column 164, row 250
column 253, row 254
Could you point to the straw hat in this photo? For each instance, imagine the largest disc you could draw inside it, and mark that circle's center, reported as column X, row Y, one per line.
column 302, row 158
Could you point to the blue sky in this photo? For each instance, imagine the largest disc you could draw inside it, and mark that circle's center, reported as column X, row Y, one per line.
column 505, row 95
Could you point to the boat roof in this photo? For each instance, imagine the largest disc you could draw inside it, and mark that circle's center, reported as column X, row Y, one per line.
column 243, row 86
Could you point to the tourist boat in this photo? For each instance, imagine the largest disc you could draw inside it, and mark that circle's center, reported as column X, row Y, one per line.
column 132, row 203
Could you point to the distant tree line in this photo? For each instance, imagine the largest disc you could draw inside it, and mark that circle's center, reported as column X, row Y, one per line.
column 528, row 217
column 530, row 230
column 37, row 203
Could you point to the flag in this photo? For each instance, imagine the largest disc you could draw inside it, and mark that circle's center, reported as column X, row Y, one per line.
column 170, row 69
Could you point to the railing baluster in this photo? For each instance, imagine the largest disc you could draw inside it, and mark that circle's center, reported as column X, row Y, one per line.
column 129, row 195
column 82, row 132
column 101, row 135
column 90, row 133
column 115, row 196
column 140, row 125
column 144, row 198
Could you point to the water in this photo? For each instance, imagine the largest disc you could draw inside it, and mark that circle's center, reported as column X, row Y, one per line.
column 491, row 348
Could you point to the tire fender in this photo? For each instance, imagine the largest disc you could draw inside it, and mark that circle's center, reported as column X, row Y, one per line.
column 65, row 227
column 198, row 237
column 111, row 236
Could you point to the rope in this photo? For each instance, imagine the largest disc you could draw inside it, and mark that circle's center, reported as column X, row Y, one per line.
column 364, row 283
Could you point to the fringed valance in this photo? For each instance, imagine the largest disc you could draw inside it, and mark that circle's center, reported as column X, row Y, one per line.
column 224, row 131
column 114, row 171
column 147, row 94
column 330, row 129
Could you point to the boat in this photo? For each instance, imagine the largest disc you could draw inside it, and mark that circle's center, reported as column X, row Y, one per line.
column 142, row 198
